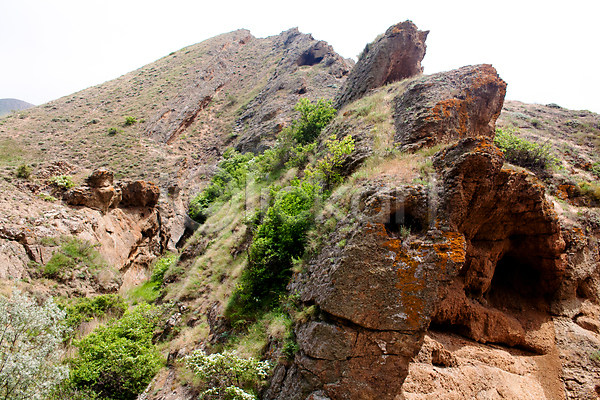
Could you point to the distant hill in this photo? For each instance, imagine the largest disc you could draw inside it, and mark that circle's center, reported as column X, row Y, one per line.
column 8, row 105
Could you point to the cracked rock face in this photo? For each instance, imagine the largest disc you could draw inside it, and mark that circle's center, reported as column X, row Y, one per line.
column 375, row 297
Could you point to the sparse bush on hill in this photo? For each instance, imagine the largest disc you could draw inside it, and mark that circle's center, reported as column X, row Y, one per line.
column 524, row 153
column 24, row 171
column 130, row 120
column 62, row 181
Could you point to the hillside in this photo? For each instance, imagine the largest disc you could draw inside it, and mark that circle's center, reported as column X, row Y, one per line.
column 427, row 239
column 9, row 105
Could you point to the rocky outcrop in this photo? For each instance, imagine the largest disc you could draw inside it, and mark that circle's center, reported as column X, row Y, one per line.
column 514, row 246
column 449, row 106
column 375, row 298
column 129, row 238
column 394, row 56
column 480, row 254
column 308, row 68
column 98, row 193
column 101, row 194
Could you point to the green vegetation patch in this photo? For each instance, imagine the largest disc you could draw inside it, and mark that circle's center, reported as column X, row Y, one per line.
column 521, row 152
column 117, row 361
column 85, row 309
column 231, row 175
column 62, row 181
column 227, row 376
column 74, row 254
column 149, row 291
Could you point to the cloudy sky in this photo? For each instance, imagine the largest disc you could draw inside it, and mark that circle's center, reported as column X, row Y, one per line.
column 547, row 51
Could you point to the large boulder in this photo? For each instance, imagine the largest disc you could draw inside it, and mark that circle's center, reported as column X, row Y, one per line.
column 375, row 289
column 449, row 106
column 395, row 56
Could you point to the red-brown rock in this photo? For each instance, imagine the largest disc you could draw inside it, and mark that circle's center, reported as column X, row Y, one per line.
column 448, row 106
column 395, row 56
column 139, row 194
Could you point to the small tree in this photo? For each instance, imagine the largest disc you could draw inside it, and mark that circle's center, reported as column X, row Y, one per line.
column 30, row 348
column 313, row 118
column 327, row 169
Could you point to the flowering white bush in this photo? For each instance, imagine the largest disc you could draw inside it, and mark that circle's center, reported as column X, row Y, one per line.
column 30, row 341
column 226, row 374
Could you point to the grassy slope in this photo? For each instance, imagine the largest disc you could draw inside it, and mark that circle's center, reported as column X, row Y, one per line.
column 75, row 128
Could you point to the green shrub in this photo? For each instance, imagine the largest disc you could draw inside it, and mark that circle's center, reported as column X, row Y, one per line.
column 85, row 309
column 290, row 348
column 73, row 254
column 278, row 240
column 313, row 118
column 30, row 347
column 112, row 131
column 228, row 376
column 295, row 144
column 62, row 181
column 524, row 153
column 130, row 121
column 24, row 171
column 161, row 266
column 117, row 361
column 327, row 169
column 46, row 197
column 231, row 175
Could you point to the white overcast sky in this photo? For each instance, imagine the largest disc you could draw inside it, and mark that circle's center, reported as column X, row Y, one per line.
column 547, row 51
